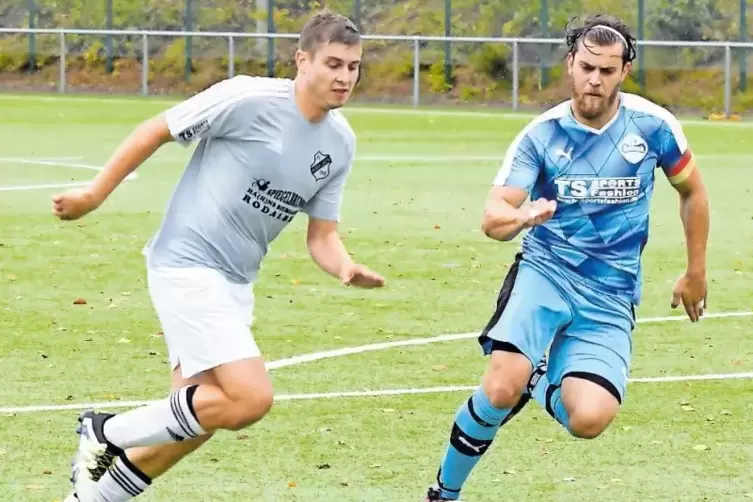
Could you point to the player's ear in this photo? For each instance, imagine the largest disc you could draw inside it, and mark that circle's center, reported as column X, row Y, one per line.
column 570, row 63
column 626, row 69
column 300, row 59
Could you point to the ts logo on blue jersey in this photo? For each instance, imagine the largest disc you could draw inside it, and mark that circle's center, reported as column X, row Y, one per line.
column 598, row 190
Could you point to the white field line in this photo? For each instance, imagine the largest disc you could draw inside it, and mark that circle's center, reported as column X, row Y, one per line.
column 57, row 162
column 53, row 159
column 294, row 361
column 352, row 394
column 18, row 188
column 348, row 110
column 316, row 356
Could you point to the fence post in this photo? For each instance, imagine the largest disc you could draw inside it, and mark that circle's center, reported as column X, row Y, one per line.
column 270, row 40
column 189, row 27
column 63, row 51
column 32, row 36
column 144, row 64
column 108, row 37
column 640, row 49
column 230, row 57
column 547, row 52
column 743, row 50
column 727, row 80
column 416, row 73
column 447, row 43
column 515, row 75
column 357, row 14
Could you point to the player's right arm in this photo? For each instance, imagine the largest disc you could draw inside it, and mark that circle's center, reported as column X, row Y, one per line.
column 207, row 113
column 137, row 147
column 505, row 213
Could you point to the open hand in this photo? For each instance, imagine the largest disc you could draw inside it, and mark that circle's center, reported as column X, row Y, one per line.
column 361, row 276
column 536, row 212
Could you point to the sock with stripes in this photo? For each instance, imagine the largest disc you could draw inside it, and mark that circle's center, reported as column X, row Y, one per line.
column 550, row 398
column 476, row 424
column 167, row 421
column 122, row 481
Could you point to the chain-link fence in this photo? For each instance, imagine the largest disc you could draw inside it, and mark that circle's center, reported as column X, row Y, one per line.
column 440, row 51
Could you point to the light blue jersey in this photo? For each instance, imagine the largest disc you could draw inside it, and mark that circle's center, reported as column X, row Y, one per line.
column 602, row 181
column 573, row 286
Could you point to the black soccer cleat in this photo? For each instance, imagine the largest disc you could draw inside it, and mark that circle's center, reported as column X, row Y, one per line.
column 434, row 495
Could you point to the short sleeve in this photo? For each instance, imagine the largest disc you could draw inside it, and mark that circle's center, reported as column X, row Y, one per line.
column 674, row 156
column 210, row 113
column 521, row 165
column 327, row 202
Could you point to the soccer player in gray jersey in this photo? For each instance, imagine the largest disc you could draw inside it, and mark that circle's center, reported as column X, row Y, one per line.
column 267, row 149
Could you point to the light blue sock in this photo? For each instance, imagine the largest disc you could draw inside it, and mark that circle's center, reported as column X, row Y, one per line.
column 476, row 424
column 550, row 398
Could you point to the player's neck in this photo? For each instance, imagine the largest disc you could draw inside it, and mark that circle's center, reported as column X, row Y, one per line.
column 601, row 121
column 307, row 106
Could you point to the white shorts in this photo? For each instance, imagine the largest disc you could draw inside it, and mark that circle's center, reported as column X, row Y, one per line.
column 205, row 318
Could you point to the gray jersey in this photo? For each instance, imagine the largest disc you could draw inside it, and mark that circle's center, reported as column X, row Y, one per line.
column 257, row 164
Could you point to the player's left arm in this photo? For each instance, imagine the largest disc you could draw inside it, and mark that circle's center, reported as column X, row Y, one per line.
column 323, row 239
column 681, row 170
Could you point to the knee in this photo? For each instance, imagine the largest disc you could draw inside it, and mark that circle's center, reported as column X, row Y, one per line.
column 591, row 406
column 250, row 409
column 589, row 422
column 502, row 393
column 506, row 378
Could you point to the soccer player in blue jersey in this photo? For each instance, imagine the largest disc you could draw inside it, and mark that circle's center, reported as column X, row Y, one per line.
column 588, row 166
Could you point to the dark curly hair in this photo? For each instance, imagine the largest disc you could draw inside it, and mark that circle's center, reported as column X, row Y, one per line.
column 600, row 30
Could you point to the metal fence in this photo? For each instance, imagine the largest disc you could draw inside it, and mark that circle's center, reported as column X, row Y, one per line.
column 229, row 40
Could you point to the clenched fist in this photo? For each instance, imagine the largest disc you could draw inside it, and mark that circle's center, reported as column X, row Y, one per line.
column 73, row 204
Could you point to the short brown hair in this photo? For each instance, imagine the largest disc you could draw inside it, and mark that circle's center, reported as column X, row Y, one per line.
column 328, row 27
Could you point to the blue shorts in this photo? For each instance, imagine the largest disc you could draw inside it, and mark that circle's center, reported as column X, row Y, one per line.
column 587, row 332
